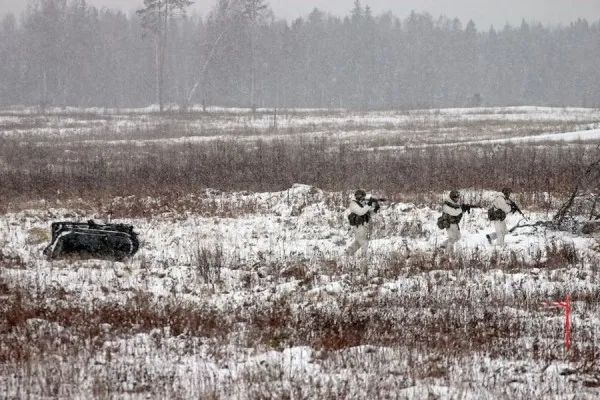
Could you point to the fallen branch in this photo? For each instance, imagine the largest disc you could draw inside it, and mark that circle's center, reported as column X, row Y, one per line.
column 546, row 224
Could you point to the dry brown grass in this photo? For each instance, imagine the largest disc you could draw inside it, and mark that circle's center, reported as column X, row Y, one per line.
column 86, row 165
column 428, row 317
column 439, row 320
column 97, row 174
column 440, row 325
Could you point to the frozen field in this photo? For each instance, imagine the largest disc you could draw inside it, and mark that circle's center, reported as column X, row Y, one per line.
column 247, row 295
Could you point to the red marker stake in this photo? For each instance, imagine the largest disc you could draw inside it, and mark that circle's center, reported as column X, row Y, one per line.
column 568, row 322
column 567, row 306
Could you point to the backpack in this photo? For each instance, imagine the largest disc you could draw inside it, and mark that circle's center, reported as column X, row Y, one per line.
column 496, row 214
column 443, row 222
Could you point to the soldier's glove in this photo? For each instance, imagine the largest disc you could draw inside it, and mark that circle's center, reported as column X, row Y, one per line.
column 466, row 208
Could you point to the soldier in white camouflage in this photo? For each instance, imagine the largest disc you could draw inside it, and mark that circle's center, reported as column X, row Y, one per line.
column 359, row 217
column 452, row 212
column 502, row 205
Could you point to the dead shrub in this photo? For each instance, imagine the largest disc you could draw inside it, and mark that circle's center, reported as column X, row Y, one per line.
column 209, row 263
column 141, row 313
column 394, row 265
column 561, row 255
column 17, row 311
column 167, row 171
column 13, row 261
column 294, row 269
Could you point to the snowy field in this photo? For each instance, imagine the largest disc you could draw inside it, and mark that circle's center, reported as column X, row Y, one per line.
column 248, row 295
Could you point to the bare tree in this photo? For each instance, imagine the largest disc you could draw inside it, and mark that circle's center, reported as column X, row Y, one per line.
column 225, row 17
column 254, row 11
column 155, row 17
column 587, row 184
column 46, row 41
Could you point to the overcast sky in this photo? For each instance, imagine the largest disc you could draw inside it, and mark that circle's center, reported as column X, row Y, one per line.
column 483, row 12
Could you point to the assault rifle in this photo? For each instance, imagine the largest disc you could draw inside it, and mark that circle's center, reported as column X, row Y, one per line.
column 372, row 200
column 375, row 200
column 515, row 208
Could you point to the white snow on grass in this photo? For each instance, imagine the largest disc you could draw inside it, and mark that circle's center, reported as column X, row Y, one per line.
column 286, row 253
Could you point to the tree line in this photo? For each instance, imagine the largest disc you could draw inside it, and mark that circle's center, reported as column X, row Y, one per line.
column 68, row 53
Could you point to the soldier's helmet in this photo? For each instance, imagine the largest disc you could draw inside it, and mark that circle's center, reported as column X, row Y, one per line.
column 454, row 195
column 506, row 191
column 360, row 194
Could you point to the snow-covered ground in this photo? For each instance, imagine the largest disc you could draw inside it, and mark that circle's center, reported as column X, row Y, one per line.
column 411, row 127
column 260, row 302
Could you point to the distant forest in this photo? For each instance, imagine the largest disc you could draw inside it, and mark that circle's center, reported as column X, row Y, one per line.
column 67, row 53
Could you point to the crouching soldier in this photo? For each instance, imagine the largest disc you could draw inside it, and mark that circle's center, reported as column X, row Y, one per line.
column 452, row 213
column 359, row 217
column 502, row 205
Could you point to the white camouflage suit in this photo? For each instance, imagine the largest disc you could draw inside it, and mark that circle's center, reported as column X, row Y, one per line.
column 361, row 240
column 455, row 211
column 501, row 202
